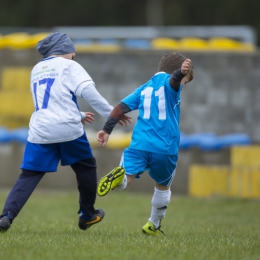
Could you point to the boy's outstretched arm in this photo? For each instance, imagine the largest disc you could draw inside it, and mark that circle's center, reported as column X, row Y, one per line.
column 179, row 74
column 100, row 104
column 115, row 116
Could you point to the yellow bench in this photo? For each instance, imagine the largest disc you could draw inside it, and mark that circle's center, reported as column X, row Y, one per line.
column 240, row 179
column 240, row 182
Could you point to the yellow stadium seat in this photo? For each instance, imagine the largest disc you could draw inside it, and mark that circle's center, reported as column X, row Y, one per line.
column 35, row 38
column 16, row 40
column 164, row 44
column 16, row 79
column 2, row 42
column 14, row 115
column 191, row 43
column 220, row 44
column 248, row 47
column 16, row 104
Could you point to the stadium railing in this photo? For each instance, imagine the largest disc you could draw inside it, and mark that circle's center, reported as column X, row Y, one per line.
column 120, row 140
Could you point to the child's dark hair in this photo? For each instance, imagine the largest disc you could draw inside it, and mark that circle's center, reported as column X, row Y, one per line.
column 172, row 61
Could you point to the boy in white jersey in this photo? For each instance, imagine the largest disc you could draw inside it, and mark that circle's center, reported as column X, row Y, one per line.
column 56, row 131
column 155, row 138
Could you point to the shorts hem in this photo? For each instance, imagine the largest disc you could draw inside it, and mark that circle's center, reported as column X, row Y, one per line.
column 70, row 163
column 37, row 169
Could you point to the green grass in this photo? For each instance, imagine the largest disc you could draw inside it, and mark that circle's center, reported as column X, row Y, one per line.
column 195, row 229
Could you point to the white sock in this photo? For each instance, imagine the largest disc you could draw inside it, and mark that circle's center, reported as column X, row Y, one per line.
column 121, row 186
column 160, row 201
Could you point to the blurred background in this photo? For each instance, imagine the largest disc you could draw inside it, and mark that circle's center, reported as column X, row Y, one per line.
column 120, row 43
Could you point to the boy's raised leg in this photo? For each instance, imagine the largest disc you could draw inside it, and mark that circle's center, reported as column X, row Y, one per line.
column 111, row 180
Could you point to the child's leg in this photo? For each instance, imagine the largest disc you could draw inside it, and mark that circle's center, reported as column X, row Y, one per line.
column 162, row 170
column 160, row 201
column 133, row 163
column 125, row 158
column 127, row 180
column 86, row 175
column 21, row 191
column 87, row 185
column 111, row 180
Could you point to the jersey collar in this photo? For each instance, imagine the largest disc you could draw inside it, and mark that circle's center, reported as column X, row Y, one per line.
column 160, row 72
column 49, row 58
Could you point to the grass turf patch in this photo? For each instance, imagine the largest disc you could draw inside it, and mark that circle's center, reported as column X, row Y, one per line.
column 214, row 228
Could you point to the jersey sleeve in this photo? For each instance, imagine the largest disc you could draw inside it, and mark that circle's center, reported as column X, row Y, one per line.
column 96, row 101
column 79, row 78
column 132, row 100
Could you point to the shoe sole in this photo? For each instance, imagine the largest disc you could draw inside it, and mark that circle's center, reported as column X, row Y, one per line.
column 106, row 183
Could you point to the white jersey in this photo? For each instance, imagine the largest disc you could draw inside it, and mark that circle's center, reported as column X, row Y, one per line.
column 55, row 83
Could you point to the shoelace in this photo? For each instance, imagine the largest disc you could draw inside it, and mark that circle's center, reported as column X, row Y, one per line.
column 159, row 228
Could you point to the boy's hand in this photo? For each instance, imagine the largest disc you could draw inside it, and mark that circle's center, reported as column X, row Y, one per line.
column 185, row 67
column 102, row 138
column 124, row 119
column 88, row 118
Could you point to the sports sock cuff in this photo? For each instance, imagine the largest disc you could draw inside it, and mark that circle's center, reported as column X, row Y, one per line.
column 162, row 193
column 122, row 185
column 83, row 214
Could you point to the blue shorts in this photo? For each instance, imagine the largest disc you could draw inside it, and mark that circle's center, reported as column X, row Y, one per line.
column 161, row 167
column 46, row 157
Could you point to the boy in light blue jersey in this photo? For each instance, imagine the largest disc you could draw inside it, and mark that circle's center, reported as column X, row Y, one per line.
column 155, row 138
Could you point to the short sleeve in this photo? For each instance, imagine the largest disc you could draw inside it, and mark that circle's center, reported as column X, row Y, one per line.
column 132, row 100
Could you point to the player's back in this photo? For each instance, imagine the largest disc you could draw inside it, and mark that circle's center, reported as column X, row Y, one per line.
column 157, row 127
column 56, row 117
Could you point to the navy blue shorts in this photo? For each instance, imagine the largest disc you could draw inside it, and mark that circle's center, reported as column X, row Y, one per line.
column 46, row 157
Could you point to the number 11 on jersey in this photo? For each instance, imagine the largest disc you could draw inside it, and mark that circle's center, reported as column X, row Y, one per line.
column 147, row 93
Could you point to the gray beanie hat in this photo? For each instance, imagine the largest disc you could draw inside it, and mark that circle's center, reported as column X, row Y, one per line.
column 55, row 43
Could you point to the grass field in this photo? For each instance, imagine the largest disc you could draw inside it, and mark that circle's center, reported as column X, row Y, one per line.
column 195, row 229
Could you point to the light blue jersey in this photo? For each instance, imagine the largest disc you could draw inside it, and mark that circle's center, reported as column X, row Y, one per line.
column 157, row 126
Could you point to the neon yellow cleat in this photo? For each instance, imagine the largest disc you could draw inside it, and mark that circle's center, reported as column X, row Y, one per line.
column 110, row 181
column 149, row 229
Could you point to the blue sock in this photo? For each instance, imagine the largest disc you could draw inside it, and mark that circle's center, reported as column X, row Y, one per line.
column 84, row 215
column 8, row 215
